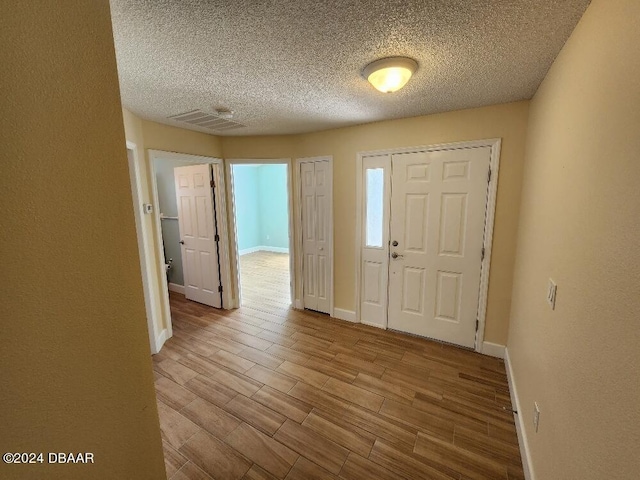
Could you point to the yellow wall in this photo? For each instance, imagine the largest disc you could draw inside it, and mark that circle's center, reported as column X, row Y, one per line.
column 580, row 225
column 171, row 139
column 147, row 135
column 134, row 134
column 506, row 121
column 76, row 371
column 270, row 146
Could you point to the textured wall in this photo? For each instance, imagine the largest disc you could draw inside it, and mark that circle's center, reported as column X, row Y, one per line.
column 76, row 370
column 580, row 225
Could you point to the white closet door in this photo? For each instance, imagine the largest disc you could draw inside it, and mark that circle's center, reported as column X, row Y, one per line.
column 194, row 196
column 323, row 240
column 316, row 238
column 310, row 263
column 374, row 275
column 437, row 217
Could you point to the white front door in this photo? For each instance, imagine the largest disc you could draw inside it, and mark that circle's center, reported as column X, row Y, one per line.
column 316, row 238
column 438, row 205
column 194, row 196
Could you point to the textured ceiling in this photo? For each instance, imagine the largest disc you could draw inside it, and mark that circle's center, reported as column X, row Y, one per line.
column 293, row 66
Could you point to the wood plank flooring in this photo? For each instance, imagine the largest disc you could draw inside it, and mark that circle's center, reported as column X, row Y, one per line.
column 264, row 278
column 267, row 392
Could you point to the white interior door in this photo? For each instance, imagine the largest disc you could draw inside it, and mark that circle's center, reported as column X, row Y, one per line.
column 376, row 174
column 194, row 196
column 316, row 237
column 437, row 219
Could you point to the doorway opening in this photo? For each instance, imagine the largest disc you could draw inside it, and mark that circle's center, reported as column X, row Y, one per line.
column 189, row 201
column 189, row 229
column 262, row 218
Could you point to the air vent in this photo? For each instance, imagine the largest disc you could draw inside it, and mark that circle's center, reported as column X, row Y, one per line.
column 206, row 120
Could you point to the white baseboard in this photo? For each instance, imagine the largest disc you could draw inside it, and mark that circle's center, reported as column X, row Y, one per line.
column 493, row 349
column 298, row 304
column 263, row 248
column 163, row 337
column 274, row 249
column 371, row 324
column 248, row 250
column 347, row 315
column 525, row 453
column 174, row 287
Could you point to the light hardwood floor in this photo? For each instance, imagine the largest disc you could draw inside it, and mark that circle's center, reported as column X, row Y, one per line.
column 267, row 392
column 264, row 278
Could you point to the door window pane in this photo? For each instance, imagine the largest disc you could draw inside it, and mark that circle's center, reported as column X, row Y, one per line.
column 374, row 206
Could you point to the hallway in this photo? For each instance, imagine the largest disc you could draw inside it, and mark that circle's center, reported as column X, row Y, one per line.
column 268, row 392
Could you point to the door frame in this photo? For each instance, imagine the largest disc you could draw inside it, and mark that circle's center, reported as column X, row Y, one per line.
column 492, row 190
column 220, row 198
column 298, row 224
column 156, row 337
column 234, row 257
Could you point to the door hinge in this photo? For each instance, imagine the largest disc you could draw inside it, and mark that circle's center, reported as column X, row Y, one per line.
column 489, row 176
column 482, row 255
column 217, row 238
column 477, row 324
column 213, row 184
column 220, row 288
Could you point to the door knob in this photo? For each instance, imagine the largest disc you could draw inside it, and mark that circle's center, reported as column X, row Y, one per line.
column 181, row 242
column 394, row 255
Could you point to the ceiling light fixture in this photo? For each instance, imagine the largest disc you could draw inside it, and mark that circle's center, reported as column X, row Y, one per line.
column 390, row 74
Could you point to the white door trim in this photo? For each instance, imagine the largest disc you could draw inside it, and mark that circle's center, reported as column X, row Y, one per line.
column 222, row 224
column 299, row 302
column 142, row 234
column 234, row 255
column 495, row 145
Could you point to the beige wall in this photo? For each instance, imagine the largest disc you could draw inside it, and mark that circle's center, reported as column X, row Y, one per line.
column 171, row 139
column 134, row 134
column 271, row 146
column 580, row 225
column 508, row 121
column 147, row 135
column 76, row 371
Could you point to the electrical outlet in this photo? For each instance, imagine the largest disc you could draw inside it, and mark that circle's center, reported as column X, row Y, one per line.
column 536, row 416
column 552, row 289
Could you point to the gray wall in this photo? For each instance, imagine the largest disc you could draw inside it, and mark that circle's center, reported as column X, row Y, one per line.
column 168, row 206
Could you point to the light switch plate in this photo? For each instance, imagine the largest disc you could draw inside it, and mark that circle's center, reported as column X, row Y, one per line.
column 552, row 290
